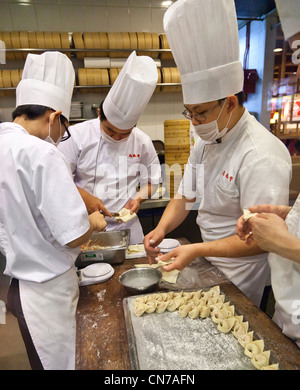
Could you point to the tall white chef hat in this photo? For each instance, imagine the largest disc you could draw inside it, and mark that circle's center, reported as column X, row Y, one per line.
column 289, row 15
column 47, row 80
column 131, row 91
column 203, row 37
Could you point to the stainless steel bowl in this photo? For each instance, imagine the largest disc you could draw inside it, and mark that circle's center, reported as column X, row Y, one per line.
column 140, row 280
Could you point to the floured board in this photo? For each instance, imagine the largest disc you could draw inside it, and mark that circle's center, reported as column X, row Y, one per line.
column 169, row 342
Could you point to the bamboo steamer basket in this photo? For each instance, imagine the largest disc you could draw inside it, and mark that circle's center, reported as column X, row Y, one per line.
column 15, row 77
column 177, row 151
column 133, row 40
column 82, row 79
column 173, row 177
column 155, row 45
column 32, row 39
column 118, row 40
column 24, row 40
column 157, row 89
column 65, row 43
column 79, row 44
column 6, row 81
column 113, row 74
column 16, row 44
column 95, row 40
column 2, row 93
column 165, row 45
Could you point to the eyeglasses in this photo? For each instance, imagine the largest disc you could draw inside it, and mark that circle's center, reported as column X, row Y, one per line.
column 198, row 117
column 65, row 137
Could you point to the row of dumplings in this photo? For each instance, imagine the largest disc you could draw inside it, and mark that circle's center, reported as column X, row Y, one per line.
column 203, row 304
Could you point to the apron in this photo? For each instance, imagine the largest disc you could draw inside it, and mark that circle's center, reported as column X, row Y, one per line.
column 50, row 313
column 285, row 277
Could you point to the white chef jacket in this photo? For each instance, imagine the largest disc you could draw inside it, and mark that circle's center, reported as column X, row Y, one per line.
column 285, row 277
column 249, row 167
column 40, row 208
column 111, row 172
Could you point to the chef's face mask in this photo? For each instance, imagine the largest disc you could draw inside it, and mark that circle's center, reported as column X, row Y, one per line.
column 210, row 131
column 110, row 140
column 48, row 138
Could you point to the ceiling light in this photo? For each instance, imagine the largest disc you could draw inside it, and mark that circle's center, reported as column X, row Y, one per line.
column 277, row 50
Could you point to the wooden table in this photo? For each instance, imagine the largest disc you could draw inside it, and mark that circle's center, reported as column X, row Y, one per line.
column 101, row 331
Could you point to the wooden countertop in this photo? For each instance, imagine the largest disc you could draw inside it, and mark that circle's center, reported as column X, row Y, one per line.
column 101, row 333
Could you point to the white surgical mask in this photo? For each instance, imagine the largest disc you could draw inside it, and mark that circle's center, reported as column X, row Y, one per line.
column 49, row 139
column 110, row 140
column 210, row 131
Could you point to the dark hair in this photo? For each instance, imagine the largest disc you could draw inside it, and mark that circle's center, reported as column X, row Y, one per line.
column 32, row 111
column 240, row 96
column 102, row 115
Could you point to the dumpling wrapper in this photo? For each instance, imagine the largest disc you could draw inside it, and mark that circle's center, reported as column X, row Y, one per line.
column 125, row 216
column 167, row 276
column 248, row 214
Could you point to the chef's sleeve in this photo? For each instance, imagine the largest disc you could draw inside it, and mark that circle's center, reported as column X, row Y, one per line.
column 58, row 199
column 265, row 180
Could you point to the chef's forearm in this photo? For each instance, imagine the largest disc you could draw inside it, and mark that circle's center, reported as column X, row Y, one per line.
column 145, row 192
column 289, row 248
column 227, row 247
column 174, row 214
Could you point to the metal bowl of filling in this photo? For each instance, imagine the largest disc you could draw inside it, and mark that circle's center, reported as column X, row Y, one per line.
column 140, row 280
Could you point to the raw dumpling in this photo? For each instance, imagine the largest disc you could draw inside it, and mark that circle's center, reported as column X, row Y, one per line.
column 172, row 305
column 183, row 310
column 139, row 309
column 151, row 306
column 271, row 367
column 197, row 294
column 204, row 311
column 194, row 313
column 261, row 360
column 254, row 348
column 161, row 307
column 245, row 339
column 226, row 325
column 219, row 315
column 240, row 329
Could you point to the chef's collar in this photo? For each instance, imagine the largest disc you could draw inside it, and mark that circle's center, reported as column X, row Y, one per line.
column 235, row 129
column 8, row 127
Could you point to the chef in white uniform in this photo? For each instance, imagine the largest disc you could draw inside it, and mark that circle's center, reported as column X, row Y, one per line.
column 43, row 220
column 109, row 156
column 235, row 160
column 276, row 229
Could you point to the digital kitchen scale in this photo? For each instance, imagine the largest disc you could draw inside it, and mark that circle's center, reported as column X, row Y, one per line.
column 95, row 273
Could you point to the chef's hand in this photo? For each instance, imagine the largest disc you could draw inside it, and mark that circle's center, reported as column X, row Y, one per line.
column 97, row 221
column 183, row 256
column 96, row 204
column 268, row 231
column 133, row 205
column 151, row 241
column 243, row 228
